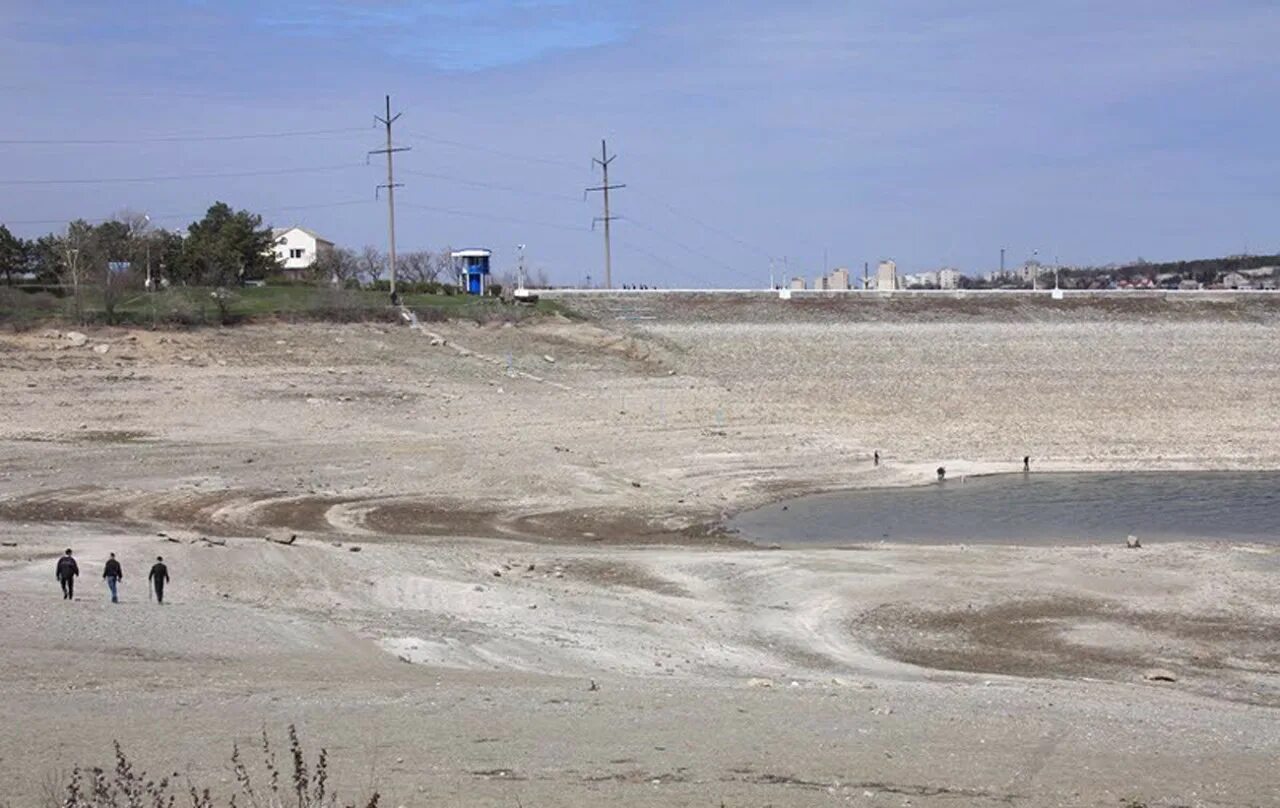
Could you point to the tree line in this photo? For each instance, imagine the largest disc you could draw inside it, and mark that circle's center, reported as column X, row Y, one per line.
column 225, row 248
column 370, row 266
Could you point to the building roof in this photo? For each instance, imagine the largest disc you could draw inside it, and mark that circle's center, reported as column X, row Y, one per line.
column 474, row 252
column 276, row 232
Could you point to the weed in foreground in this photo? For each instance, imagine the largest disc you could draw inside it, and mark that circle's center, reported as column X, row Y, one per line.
column 307, row 786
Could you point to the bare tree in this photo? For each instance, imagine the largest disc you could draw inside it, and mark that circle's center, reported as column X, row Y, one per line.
column 137, row 222
column 445, row 271
column 337, row 266
column 419, row 266
column 372, row 263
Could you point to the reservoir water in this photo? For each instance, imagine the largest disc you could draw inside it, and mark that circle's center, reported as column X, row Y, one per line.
column 1036, row 508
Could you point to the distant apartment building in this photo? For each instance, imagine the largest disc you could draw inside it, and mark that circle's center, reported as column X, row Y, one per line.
column 297, row 249
column 949, row 278
column 886, row 276
column 920, row 280
column 837, row 280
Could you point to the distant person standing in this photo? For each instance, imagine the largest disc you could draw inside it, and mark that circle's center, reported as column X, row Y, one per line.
column 113, row 575
column 1026, row 463
column 875, row 458
column 159, row 576
column 66, row 573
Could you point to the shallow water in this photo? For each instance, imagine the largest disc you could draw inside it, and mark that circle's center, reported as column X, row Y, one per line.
column 1033, row 508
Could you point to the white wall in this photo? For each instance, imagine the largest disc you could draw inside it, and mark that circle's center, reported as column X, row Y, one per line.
column 295, row 249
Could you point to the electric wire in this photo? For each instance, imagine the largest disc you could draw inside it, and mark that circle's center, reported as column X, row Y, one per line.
column 712, row 228
column 458, row 144
column 686, row 247
column 492, row 217
column 191, row 216
column 491, row 186
column 277, row 172
column 177, row 138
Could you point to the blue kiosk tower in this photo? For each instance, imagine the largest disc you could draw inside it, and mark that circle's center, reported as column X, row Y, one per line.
column 472, row 267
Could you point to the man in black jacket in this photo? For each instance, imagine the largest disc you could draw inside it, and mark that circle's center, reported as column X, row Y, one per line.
column 66, row 574
column 159, row 577
column 113, row 575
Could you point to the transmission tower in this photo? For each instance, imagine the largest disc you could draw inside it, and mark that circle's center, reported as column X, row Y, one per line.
column 603, row 161
column 391, row 187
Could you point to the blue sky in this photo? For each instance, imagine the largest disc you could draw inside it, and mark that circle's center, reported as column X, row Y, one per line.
column 930, row 131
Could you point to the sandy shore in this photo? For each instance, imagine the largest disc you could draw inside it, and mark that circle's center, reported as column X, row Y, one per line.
column 532, row 507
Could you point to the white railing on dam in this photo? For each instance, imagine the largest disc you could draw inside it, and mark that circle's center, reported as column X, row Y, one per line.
column 792, row 294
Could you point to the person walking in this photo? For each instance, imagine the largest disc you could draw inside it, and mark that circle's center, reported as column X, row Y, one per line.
column 1026, row 463
column 159, row 576
column 113, row 576
column 66, row 574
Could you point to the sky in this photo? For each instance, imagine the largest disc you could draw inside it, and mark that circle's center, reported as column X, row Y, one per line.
column 751, row 136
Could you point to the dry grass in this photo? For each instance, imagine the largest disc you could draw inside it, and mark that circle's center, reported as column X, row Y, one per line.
column 304, row 786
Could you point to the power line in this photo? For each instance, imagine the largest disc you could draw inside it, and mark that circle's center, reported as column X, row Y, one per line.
column 176, row 177
column 686, row 247
column 491, row 217
column 491, row 186
column 170, row 216
column 683, row 215
column 458, row 144
column 177, row 138
column 661, row 261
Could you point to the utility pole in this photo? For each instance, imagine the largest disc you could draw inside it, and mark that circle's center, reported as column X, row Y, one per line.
column 520, row 267
column 391, row 192
column 603, row 161
column 146, row 221
column 73, row 264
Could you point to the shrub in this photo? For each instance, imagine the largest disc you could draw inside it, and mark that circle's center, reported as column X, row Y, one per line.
column 179, row 309
column 24, row 309
column 346, row 306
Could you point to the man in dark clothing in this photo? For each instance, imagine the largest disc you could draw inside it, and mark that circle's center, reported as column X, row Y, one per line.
column 159, row 577
column 113, row 575
column 66, row 573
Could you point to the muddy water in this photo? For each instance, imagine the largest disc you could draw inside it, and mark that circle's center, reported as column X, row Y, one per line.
column 1033, row 509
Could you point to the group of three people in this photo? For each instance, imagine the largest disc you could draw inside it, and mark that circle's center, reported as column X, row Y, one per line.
column 112, row 573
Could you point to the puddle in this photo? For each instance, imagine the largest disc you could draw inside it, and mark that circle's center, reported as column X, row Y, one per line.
column 1033, row 508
